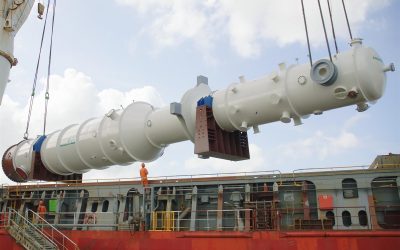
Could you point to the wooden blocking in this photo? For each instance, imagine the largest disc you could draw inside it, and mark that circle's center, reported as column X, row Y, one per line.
column 211, row 141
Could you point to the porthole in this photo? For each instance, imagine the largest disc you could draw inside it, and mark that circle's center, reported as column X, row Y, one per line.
column 105, row 206
column 94, row 207
column 330, row 216
column 363, row 218
column 346, row 218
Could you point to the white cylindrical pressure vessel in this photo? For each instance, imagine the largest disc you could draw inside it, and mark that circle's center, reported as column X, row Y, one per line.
column 11, row 19
column 291, row 93
column 137, row 133
column 23, row 157
column 117, row 138
column 140, row 133
column 163, row 128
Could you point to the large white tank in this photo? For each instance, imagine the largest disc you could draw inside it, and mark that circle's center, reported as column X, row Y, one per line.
column 140, row 132
column 355, row 76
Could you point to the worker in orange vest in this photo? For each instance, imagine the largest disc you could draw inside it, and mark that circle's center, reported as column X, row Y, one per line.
column 41, row 210
column 143, row 175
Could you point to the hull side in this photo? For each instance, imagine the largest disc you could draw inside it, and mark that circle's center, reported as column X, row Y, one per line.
column 310, row 240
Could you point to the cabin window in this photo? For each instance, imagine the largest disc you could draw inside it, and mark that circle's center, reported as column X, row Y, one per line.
column 349, row 187
column 94, row 207
column 362, row 218
column 346, row 217
column 105, row 206
column 330, row 216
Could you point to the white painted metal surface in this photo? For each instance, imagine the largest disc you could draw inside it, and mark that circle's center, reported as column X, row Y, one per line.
column 13, row 14
column 140, row 132
column 137, row 133
column 23, row 156
column 290, row 92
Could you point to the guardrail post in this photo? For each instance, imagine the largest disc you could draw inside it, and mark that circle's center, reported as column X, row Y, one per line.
column 179, row 222
column 247, row 191
column 9, row 218
column 194, row 208
column 208, row 222
column 220, row 206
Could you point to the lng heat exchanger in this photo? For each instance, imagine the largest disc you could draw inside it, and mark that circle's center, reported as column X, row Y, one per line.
column 215, row 121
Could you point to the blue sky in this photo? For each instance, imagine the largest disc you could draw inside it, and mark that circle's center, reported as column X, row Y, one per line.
column 107, row 53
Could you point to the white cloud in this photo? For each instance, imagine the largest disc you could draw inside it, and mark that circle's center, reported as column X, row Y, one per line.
column 319, row 145
column 247, row 24
column 73, row 99
column 257, row 162
column 112, row 98
column 354, row 120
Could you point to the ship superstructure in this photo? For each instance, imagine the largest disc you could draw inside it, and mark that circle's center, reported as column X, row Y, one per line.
column 356, row 203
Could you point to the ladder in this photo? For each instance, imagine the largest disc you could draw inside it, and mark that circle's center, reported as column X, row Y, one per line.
column 263, row 215
column 36, row 236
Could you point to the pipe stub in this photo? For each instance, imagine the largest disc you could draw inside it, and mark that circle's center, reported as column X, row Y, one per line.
column 324, row 72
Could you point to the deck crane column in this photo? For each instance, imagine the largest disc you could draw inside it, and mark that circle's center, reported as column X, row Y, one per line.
column 13, row 14
column 140, row 132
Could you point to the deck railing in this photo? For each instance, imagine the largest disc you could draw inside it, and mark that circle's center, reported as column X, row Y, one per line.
column 27, row 233
column 62, row 241
column 289, row 218
column 160, row 179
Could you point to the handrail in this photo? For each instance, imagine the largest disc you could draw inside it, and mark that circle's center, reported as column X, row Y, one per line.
column 188, row 176
column 274, row 173
column 27, row 222
column 362, row 167
column 172, row 221
column 64, row 237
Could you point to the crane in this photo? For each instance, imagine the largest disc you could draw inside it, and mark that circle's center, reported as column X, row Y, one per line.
column 13, row 15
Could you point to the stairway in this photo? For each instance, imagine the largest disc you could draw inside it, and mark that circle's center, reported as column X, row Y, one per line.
column 30, row 239
column 28, row 235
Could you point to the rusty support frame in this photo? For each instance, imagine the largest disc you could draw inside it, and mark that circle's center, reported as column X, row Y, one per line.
column 212, row 141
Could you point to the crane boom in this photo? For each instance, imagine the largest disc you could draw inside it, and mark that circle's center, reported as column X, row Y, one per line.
column 12, row 16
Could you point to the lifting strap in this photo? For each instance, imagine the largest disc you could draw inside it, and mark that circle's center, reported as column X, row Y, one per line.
column 47, row 95
column 33, row 93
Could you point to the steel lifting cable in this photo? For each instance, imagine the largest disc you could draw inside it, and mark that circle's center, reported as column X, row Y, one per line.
column 26, row 134
column 333, row 28
column 308, row 39
column 47, row 95
column 347, row 20
column 323, row 25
